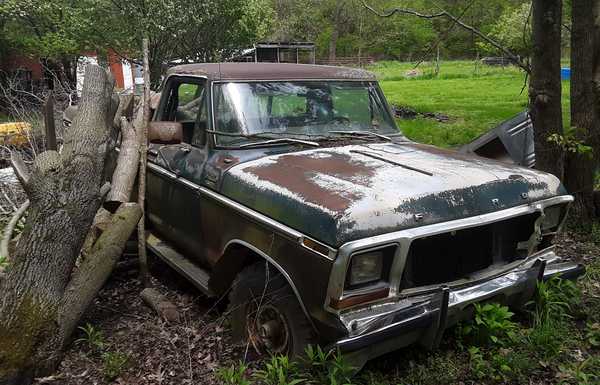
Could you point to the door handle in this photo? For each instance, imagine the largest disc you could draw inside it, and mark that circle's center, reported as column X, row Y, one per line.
column 185, row 150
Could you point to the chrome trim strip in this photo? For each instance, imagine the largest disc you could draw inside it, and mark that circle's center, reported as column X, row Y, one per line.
column 405, row 237
column 280, row 269
column 254, row 215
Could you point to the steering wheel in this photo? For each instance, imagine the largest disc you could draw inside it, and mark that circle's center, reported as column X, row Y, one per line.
column 341, row 119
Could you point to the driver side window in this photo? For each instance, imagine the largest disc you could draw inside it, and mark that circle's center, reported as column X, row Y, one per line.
column 186, row 103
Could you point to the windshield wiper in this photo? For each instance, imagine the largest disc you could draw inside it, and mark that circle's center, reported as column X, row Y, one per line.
column 361, row 133
column 279, row 140
column 263, row 135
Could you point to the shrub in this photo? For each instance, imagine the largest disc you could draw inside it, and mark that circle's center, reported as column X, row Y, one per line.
column 500, row 364
column 580, row 373
column 279, row 370
column 546, row 339
column 555, row 299
column 233, row 375
column 92, row 337
column 113, row 364
column 592, row 334
column 492, row 325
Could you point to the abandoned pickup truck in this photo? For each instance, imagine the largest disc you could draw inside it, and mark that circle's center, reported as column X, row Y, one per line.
column 289, row 189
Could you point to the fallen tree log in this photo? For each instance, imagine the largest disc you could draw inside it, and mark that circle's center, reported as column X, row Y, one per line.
column 161, row 305
column 65, row 190
column 95, row 269
column 52, row 280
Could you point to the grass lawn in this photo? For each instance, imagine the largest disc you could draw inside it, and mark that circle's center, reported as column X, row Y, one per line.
column 475, row 98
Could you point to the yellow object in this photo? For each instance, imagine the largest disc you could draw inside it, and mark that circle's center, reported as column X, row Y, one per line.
column 14, row 134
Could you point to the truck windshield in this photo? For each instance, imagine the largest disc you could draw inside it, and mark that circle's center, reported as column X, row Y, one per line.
column 253, row 111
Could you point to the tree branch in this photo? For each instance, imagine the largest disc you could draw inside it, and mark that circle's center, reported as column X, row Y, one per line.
column 443, row 37
column 10, row 228
column 514, row 58
column 20, row 168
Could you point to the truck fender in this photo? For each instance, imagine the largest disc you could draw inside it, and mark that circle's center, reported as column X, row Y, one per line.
column 240, row 263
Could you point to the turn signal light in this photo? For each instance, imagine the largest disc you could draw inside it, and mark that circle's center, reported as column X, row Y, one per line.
column 359, row 298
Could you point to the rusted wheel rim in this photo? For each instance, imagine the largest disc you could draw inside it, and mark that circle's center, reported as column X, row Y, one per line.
column 267, row 330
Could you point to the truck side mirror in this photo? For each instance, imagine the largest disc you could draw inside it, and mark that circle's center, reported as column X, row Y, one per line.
column 165, row 132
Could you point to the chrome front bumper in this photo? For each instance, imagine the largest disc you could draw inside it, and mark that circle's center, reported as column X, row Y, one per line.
column 385, row 327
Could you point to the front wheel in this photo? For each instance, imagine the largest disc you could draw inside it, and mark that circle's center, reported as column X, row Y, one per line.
column 265, row 312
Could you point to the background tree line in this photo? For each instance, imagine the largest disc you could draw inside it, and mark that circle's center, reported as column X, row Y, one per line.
column 58, row 31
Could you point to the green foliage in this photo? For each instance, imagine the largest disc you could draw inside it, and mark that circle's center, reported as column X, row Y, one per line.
column 210, row 30
column 440, row 368
column 327, row 367
column 92, row 337
column 580, row 373
column 400, row 37
column 234, row 375
column 500, row 365
column 492, row 325
column 569, row 142
column 319, row 368
column 279, row 371
column 555, row 299
column 546, row 339
column 592, row 334
column 113, row 364
column 49, row 29
column 512, row 30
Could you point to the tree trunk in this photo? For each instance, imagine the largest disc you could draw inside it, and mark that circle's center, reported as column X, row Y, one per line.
column 335, row 32
column 65, row 191
column 596, row 70
column 143, row 259
column 580, row 168
column 545, row 85
column 333, row 43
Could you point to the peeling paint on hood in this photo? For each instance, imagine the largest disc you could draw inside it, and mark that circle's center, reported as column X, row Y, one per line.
column 345, row 193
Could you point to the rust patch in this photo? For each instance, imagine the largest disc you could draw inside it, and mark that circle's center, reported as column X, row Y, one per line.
column 297, row 173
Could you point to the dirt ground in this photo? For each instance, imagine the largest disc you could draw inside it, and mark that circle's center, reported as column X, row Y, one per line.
column 188, row 352
column 156, row 352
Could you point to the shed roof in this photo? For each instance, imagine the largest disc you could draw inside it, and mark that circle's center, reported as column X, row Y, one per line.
column 270, row 71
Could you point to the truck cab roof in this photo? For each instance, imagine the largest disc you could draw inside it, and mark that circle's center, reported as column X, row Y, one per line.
column 270, row 71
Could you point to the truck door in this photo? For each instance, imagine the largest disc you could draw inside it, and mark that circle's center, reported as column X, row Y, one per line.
column 174, row 205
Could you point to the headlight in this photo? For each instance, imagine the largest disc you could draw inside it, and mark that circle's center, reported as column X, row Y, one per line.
column 552, row 217
column 365, row 268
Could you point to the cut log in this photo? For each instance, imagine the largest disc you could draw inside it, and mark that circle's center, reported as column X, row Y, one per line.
column 161, row 305
column 124, row 175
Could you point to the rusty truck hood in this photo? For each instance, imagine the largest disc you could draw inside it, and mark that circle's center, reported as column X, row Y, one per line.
column 345, row 193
